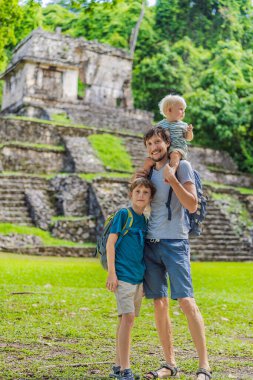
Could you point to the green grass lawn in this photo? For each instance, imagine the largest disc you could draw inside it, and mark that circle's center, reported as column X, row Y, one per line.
column 58, row 321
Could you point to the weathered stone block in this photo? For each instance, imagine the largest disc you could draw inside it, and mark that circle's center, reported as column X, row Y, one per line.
column 71, row 194
column 82, row 156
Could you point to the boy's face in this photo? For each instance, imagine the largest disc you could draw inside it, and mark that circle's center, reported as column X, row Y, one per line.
column 141, row 196
column 175, row 112
column 157, row 148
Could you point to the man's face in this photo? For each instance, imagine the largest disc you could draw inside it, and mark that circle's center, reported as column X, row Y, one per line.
column 157, row 148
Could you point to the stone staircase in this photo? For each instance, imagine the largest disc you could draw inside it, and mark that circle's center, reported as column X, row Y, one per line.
column 13, row 207
column 84, row 205
column 219, row 241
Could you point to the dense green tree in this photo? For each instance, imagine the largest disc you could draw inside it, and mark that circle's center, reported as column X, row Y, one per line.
column 205, row 22
column 220, row 108
column 10, row 13
column 31, row 18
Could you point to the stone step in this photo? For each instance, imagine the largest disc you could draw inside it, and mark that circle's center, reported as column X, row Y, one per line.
column 218, row 229
column 217, row 253
column 222, row 236
column 14, row 212
column 11, row 203
column 12, row 196
column 13, row 187
column 22, row 178
column 217, row 241
column 226, row 258
column 228, row 248
column 16, row 220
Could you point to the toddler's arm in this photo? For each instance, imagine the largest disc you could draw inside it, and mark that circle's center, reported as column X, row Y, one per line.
column 189, row 133
column 144, row 170
column 112, row 280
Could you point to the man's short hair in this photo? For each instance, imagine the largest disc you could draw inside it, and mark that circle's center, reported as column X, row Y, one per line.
column 143, row 182
column 157, row 131
column 169, row 101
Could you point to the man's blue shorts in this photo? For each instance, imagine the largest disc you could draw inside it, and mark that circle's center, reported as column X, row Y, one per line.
column 163, row 258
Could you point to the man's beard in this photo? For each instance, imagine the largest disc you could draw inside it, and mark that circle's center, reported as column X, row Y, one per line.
column 160, row 158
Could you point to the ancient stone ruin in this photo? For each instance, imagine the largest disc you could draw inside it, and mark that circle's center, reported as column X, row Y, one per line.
column 89, row 82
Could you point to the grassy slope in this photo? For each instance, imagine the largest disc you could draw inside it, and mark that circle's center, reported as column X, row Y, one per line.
column 111, row 151
column 47, row 239
column 71, row 320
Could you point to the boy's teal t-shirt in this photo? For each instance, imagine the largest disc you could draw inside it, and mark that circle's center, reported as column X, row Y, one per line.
column 129, row 263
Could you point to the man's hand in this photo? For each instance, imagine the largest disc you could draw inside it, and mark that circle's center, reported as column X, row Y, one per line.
column 112, row 282
column 169, row 175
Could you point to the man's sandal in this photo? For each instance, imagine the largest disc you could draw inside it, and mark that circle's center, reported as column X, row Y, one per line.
column 203, row 371
column 154, row 374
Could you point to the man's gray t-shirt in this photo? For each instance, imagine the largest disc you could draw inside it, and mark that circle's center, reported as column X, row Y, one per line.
column 159, row 227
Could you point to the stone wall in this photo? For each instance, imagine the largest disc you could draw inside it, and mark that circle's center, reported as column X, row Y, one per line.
column 28, row 131
column 77, row 231
column 31, row 160
column 14, row 240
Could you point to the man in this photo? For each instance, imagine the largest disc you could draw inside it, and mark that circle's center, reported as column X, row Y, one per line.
column 167, row 251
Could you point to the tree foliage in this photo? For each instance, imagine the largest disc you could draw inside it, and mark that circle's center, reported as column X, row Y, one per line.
column 200, row 49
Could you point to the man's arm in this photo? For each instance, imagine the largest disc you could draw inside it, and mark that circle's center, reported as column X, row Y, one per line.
column 112, row 280
column 185, row 193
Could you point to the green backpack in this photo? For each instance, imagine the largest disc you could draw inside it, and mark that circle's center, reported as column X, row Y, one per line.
column 102, row 240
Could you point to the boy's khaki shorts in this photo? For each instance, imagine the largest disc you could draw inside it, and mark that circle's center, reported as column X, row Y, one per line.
column 129, row 298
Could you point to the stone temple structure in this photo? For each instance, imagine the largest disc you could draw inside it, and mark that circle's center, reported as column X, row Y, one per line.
column 89, row 82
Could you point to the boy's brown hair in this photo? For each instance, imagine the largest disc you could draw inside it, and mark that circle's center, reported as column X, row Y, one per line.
column 157, row 131
column 143, row 182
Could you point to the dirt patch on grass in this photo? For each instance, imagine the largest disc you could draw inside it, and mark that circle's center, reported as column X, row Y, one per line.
column 51, row 360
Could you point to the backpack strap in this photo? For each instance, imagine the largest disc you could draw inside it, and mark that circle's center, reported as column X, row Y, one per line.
column 168, row 203
column 150, row 173
column 127, row 225
column 169, row 200
column 129, row 222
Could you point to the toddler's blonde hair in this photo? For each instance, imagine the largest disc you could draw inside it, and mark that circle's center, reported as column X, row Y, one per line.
column 168, row 101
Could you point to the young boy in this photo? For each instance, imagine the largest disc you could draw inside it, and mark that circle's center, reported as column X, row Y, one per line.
column 172, row 107
column 126, row 271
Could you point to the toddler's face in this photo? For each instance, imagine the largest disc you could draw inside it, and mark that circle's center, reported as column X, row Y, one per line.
column 175, row 112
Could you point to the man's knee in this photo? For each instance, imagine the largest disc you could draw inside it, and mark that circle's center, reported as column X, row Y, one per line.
column 161, row 304
column 188, row 306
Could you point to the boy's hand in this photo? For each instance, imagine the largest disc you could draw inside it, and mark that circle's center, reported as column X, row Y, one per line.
column 189, row 128
column 112, row 282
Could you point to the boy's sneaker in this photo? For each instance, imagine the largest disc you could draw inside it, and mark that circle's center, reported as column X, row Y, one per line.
column 115, row 372
column 127, row 374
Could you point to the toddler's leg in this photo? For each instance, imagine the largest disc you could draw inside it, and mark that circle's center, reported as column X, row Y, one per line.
column 175, row 158
column 144, row 170
column 148, row 164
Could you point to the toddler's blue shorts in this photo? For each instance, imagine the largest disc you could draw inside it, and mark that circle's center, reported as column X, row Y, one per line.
column 167, row 258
